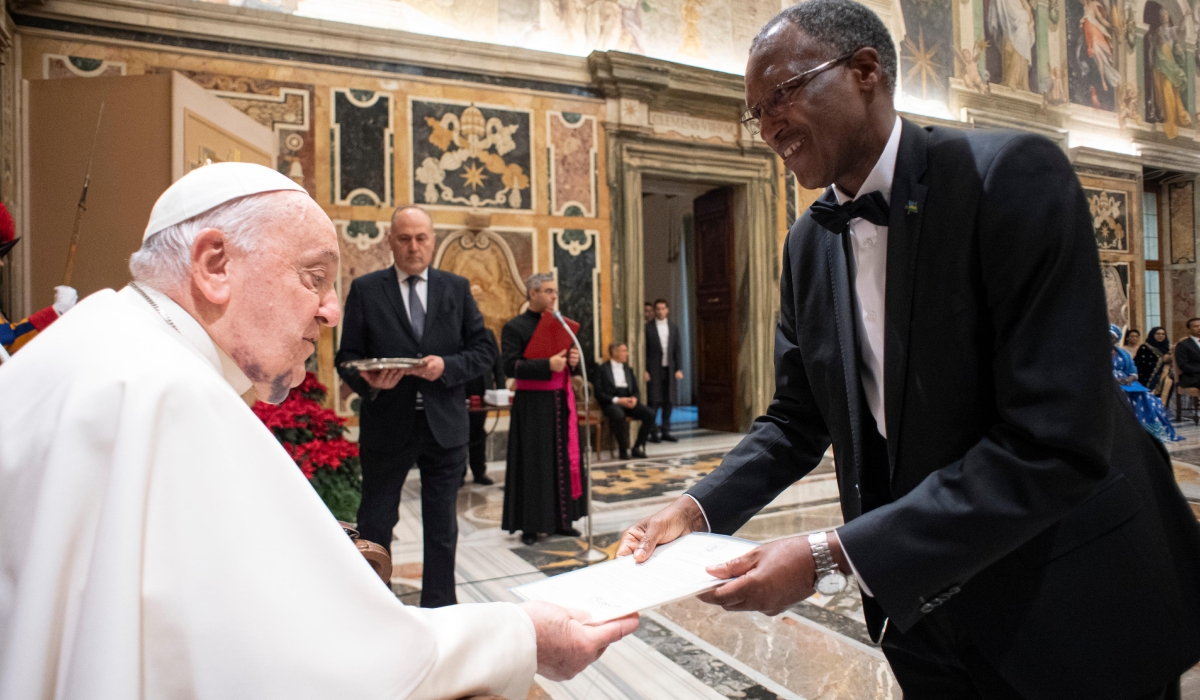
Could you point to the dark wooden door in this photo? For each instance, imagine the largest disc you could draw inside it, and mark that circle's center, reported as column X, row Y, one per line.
column 716, row 328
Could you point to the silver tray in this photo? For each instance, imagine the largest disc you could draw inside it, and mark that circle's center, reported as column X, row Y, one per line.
column 377, row 363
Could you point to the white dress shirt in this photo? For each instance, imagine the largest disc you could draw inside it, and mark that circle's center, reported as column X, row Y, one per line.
column 618, row 370
column 664, row 337
column 422, row 289
column 869, row 243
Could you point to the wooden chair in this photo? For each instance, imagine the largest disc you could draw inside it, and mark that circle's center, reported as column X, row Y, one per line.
column 592, row 417
column 1187, row 398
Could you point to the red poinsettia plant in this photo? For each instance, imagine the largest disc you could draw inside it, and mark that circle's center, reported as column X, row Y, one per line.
column 314, row 437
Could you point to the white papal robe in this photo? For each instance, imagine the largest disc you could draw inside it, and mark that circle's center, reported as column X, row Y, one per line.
column 157, row 542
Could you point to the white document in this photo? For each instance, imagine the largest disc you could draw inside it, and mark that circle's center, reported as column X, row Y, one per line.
column 621, row 587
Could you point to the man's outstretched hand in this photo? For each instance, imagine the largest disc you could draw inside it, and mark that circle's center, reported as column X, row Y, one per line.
column 669, row 524
column 566, row 646
column 773, row 577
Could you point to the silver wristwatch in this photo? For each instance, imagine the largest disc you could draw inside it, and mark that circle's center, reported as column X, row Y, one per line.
column 830, row 581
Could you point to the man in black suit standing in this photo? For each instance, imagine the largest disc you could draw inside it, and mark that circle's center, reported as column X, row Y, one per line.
column 414, row 416
column 663, row 362
column 617, row 395
column 492, row 378
column 1187, row 356
column 998, row 508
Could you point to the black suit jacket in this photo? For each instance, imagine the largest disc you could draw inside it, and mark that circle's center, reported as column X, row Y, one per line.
column 376, row 325
column 493, row 375
column 606, row 385
column 1187, row 362
column 654, row 357
column 1025, row 499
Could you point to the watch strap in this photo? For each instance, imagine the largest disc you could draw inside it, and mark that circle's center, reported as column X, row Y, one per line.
column 819, row 541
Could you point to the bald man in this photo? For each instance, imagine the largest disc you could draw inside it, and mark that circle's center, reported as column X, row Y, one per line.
column 416, row 416
column 159, row 542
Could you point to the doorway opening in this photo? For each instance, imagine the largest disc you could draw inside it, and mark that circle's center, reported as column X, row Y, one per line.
column 688, row 261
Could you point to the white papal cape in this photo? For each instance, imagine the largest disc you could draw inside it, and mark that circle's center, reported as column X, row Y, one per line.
column 157, row 542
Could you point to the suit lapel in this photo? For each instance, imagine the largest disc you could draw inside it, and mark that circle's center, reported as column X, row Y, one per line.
column 838, row 259
column 904, row 230
column 391, row 288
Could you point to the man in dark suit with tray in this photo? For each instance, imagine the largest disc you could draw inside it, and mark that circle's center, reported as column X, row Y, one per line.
column 418, row 415
column 617, row 396
column 1014, row 532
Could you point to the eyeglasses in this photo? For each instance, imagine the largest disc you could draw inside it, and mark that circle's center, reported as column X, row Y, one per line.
column 780, row 97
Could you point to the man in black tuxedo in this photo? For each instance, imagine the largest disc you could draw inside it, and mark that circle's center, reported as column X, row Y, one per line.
column 617, row 395
column 492, row 378
column 416, row 415
column 663, row 362
column 1187, row 356
column 1000, row 508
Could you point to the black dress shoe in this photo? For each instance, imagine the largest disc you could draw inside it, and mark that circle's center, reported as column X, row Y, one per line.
column 567, row 532
column 669, row 437
column 528, row 538
column 639, row 453
column 484, row 480
column 655, row 438
column 624, row 455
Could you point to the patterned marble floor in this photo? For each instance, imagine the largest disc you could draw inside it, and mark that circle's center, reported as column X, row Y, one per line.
column 688, row 650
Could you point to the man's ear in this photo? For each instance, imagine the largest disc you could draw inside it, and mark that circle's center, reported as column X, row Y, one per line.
column 210, row 266
column 866, row 62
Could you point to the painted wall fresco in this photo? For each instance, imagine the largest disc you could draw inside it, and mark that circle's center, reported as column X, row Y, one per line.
column 711, row 33
column 488, row 260
column 1093, row 45
column 926, row 50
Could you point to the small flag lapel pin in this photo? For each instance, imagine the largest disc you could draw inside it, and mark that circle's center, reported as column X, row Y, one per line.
column 911, row 208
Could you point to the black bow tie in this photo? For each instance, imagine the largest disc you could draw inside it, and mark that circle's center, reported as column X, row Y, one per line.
column 836, row 217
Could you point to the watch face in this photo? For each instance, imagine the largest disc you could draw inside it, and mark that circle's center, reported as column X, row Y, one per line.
column 831, row 583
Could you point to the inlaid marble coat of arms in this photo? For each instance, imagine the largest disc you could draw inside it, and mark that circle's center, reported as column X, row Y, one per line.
column 470, row 156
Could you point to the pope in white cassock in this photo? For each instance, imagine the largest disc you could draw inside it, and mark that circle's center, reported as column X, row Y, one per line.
column 155, row 539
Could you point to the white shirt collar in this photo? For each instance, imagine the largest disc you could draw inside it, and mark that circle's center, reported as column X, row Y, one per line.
column 617, row 366
column 192, row 334
column 403, row 276
column 660, row 322
column 880, row 177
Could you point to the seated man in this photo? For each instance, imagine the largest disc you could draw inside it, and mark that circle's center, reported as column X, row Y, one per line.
column 617, row 396
column 158, row 540
column 1187, row 356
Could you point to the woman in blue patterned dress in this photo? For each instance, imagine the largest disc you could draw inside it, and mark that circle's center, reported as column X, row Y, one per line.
column 1146, row 406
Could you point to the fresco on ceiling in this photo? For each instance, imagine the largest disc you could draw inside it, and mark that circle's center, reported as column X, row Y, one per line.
column 927, row 50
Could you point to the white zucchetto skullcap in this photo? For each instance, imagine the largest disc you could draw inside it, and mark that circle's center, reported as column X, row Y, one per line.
column 211, row 186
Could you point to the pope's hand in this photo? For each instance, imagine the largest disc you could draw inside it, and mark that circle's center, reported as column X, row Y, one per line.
column 64, row 298
column 670, row 523
column 769, row 579
column 566, row 646
column 383, row 379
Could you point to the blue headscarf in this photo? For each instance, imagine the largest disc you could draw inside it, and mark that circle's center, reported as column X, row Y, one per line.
column 1115, row 331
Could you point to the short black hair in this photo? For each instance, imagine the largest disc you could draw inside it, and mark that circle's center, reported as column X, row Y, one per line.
column 843, row 25
column 614, row 345
column 1130, row 332
column 1189, row 321
column 663, row 302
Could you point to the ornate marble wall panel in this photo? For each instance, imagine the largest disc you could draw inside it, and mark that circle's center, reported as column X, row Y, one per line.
column 467, row 155
column 1110, row 218
column 577, row 266
column 60, row 66
column 364, row 248
column 1183, row 218
column 361, row 136
column 487, row 259
column 1116, row 292
column 284, row 107
column 1183, row 300
column 572, row 158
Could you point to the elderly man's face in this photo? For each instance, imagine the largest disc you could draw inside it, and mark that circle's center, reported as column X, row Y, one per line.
column 281, row 293
column 819, row 132
column 412, row 241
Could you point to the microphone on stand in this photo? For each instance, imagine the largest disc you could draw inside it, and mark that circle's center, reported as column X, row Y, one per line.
column 590, row 554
